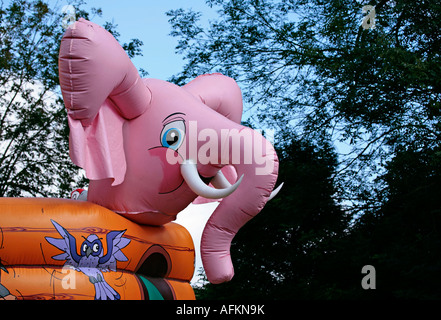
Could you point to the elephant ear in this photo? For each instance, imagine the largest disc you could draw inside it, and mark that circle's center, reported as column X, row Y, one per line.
column 220, row 93
column 101, row 90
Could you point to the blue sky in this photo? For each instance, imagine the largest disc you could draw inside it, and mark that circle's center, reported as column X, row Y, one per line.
column 147, row 21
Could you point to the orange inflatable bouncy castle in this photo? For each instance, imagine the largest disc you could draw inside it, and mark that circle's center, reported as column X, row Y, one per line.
column 68, row 249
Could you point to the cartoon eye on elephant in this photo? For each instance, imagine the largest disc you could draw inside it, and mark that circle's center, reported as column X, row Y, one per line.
column 150, row 148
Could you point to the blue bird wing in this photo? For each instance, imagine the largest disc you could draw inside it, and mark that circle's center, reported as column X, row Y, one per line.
column 67, row 244
column 115, row 243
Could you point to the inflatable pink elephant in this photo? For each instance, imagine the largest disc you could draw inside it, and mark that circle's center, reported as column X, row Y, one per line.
column 150, row 148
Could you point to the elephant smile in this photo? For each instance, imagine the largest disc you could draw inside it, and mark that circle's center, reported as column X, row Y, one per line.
column 173, row 190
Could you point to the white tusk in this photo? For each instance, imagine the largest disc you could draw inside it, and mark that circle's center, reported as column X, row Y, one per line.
column 219, row 181
column 191, row 177
column 275, row 191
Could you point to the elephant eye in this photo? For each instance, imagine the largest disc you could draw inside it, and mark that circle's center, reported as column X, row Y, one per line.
column 173, row 134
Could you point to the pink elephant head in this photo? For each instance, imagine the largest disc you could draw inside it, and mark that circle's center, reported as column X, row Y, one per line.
column 150, row 148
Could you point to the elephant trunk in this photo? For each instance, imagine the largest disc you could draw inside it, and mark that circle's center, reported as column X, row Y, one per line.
column 259, row 177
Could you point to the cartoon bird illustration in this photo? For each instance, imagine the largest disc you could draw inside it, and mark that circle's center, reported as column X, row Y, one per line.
column 91, row 261
column 4, row 292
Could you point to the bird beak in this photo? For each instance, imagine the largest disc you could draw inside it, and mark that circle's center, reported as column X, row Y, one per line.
column 2, row 267
column 88, row 251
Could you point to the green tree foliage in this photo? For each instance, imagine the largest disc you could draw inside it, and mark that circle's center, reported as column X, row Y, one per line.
column 400, row 238
column 303, row 246
column 310, row 68
column 282, row 253
column 403, row 237
column 34, row 151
